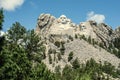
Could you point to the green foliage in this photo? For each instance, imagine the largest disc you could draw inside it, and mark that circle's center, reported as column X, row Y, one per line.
column 58, row 72
column 2, row 39
column 33, row 46
column 70, row 57
column 85, row 77
column 89, row 39
column 67, row 73
column 118, row 54
column 57, row 43
column 1, row 18
column 76, row 36
column 71, row 38
column 113, row 47
column 83, row 37
column 19, row 62
column 15, row 63
column 101, row 45
column 108, row 68
column 1, row 24
column 57, row 69
column 17, row 66
column 16, row 32
column 40, row 72
column 115, row 51
column 50, row 59
column 89, row 71
column 116, row 43
column 50, row 51
column 62, row 49
column 91, row 64
column 76, row 63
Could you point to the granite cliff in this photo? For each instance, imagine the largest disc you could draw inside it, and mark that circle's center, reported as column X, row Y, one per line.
column 86, row 40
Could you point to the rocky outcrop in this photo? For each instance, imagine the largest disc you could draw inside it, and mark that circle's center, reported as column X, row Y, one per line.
column 44, row 23
column 49, row 25
column 104, row 33
column 55, row 31
column 117, row 32
column 101, row 33
column 45, row 20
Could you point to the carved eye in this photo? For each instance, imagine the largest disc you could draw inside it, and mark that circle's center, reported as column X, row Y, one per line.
column 42, row 19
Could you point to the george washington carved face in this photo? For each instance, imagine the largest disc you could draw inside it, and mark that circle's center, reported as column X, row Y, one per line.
column 63, row 19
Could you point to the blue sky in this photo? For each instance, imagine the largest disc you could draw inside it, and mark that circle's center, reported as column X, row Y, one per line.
column 27, row 11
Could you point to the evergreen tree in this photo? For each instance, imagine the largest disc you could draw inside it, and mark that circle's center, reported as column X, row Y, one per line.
column 62, row 49
column 70, row 56
column 76, row 36
column 70, row 37
column 89, row 39
column 75, row 64
column 67, row 73
column 1, row 18
column 1, row 24
column 16, row 32
column 15, row 64
column 57, row 43
column 108, row 68
column 59, row 56
column 34, row 47
column 50, row 59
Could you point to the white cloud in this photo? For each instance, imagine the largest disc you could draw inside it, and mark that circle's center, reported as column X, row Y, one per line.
column 99, row 18
column 10, row 4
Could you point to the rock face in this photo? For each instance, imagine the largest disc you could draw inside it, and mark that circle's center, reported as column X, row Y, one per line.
column 49, row 25
column 44, row 23
column 100, row 32
column 117, row 32
column 59, row 33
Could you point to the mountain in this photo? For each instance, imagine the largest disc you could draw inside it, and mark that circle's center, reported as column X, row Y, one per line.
column 85, row 40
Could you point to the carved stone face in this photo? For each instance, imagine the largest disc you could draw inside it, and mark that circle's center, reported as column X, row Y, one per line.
column 63, row 19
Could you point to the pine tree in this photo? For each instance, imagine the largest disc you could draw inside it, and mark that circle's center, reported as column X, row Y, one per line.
column 75, row 64
column 70, row 56
column 59, row 56
column 1, row 18
column 34, row 46
column 16, row 32
column 76, row 36
column 1, row 24
column 89, row 39
column 15, row 63
column 57, row 43
column 50, row 59
column 62, row 49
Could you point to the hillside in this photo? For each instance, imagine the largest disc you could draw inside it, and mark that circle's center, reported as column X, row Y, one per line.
column 63, row 29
